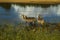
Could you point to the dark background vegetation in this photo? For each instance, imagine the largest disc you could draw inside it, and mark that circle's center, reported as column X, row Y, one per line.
column 8, row 5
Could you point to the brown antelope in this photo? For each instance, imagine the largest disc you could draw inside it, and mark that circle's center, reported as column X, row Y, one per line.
column 28, row 19
column 40, row 20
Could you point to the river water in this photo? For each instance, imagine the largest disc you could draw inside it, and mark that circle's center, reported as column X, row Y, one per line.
column 13, row 15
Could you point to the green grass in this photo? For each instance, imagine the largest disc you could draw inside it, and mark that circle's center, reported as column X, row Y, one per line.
column 9, row 32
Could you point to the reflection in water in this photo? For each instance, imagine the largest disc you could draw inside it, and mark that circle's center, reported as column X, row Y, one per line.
column 51, row 14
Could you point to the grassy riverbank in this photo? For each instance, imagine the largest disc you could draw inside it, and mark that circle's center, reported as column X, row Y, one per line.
column 11, row 32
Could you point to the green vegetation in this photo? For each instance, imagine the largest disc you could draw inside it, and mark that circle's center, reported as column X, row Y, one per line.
column 11, row 32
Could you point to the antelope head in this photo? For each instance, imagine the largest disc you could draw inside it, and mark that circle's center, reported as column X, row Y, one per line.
column 24, row 17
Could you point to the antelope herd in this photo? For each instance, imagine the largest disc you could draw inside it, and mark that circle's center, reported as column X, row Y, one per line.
column 34, row 22
column 39, row 21
column 33, row 19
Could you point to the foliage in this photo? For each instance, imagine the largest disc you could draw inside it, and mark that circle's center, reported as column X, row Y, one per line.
column 12, row 32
